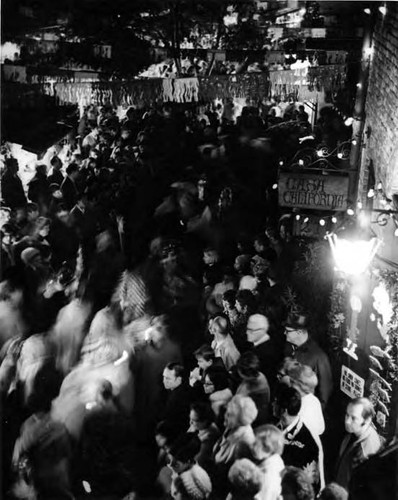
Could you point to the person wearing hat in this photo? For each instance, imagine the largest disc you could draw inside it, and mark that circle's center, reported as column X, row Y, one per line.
column 263, row 346
column 302, row 347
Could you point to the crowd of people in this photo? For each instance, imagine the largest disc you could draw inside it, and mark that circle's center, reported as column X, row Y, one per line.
column 147, row 347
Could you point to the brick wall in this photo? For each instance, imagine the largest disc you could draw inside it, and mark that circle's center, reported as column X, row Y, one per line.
column 382, row 100
column 382, row 118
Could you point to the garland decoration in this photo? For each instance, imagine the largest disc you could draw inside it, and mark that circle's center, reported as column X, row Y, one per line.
column 384, row 360
column 337, row 328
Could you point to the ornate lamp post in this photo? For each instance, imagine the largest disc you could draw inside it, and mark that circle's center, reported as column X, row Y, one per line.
column 353, row 257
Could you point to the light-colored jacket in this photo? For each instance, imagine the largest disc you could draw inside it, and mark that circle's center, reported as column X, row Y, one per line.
column 219, row 400
column 271, row 468
column 233, row 444
column 227, row 351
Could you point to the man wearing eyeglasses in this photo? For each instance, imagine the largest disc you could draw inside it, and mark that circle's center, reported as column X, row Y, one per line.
column 306, row 351
column 263, row 346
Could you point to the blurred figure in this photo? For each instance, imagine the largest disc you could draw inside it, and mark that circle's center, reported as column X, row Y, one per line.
column 105, row 458
column 39, row 189
column 223, row 345
column 68, row 187
column 12, row 191
column 149, row 362
column 56, row 176
column 43, row 451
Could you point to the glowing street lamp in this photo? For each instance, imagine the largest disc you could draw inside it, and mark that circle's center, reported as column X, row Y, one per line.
column 353, row 257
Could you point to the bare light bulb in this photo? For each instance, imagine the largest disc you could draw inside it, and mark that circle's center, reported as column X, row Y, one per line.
column 306, row 220
column 297, row 217
column 334, row 220
column 350, row 211
column 301, row 162
column 322, row 222
column 275, row 186
column 371, row 193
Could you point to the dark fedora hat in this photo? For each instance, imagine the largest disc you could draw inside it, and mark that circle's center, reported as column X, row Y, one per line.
column 296, row 320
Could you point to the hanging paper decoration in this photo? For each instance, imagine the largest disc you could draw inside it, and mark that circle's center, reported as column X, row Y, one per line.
column 222, row 86
column 180, row 89
column 303, row 83
column 330, row 78
column 288, row 82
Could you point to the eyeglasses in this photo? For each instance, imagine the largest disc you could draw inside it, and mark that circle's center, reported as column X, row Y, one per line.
column 208, row 383
column 254, row 329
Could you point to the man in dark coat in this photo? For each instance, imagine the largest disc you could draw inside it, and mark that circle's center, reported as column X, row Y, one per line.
column 360, row 442
column 180, row 394
column 303, row 348
column 69, row 188
column 300, row 448
column 263, row 347
column 12, row 190
column 39, row 188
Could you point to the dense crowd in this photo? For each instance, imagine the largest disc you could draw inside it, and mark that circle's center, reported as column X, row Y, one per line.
column 147, row 346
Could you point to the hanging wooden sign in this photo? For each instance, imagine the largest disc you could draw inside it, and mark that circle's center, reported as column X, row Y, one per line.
column 319, row 192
